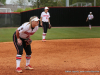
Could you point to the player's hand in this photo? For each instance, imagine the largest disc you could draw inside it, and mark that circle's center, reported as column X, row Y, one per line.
column 41, row 24
column 19, row 42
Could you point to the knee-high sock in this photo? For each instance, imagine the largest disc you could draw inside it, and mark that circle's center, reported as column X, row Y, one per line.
column 18, row 60
column 28, row 57
column 43, row 36
column 89, row 26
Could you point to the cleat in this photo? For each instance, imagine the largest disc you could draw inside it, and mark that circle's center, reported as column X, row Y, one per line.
column 19, row 70
column 28, row 67
column 43, row 40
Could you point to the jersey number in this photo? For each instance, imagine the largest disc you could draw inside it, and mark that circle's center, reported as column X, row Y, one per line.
column 46, row 17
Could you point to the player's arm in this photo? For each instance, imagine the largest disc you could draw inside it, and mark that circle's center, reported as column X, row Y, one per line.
column 41, row 18
column 49, row 20
column 18, row 31
column 17, row 34
column 87, row 19
column 49, row 23
column 93, row 17
column 41, row 21
column 18, row 38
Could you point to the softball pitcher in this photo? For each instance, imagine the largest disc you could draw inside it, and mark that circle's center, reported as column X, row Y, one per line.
column 21, row 39
column 45, row 22
column 89, row 19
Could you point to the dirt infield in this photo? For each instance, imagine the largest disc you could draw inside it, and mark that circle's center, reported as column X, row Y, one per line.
column 55, row 57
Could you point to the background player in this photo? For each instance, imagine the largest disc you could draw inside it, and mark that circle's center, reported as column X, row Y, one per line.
column 21, row 39
column 45, row 22
column 89, row 19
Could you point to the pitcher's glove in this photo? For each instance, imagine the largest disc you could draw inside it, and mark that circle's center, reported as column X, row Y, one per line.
column 50, row 26
column 28, row 41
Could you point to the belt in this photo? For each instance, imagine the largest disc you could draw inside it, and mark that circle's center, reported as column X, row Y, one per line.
column 44, row 21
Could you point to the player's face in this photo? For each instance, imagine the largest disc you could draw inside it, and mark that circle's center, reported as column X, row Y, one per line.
column 46, row 10
column 35, row 23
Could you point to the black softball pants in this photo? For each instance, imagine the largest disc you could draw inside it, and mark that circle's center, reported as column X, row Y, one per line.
column 19, row 49
column 45, row 26
column 90, row 22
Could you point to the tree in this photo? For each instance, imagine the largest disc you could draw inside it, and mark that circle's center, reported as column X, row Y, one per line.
column 43, row 3
column 97, row 2
column 70, row 2
column 51, row 3
column 48, row 3
column 3, row 1
column 61, row 3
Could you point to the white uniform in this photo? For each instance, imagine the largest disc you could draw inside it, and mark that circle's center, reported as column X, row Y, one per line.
column 26, row 31
column 45, row 16
column 90, row 17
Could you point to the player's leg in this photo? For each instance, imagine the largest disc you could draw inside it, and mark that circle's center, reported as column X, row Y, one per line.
column 28, row 56
column 46, row 28
column 90, row 24
column 19, row 53
column 44, row 31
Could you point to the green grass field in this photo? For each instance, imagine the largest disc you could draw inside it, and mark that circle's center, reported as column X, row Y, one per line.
column 55, row 33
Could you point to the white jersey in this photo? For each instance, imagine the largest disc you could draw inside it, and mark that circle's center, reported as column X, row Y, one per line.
column 90, row 17
column 25, row 31
column 45, row 16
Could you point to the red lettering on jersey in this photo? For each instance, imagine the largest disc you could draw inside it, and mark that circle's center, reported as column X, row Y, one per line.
column 91, row 16
column 28, row 34
column 45, row 15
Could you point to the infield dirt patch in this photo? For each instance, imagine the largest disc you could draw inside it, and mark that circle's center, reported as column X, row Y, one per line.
column 54, row 57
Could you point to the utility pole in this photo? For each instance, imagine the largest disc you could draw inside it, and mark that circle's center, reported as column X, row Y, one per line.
column 67, row 3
